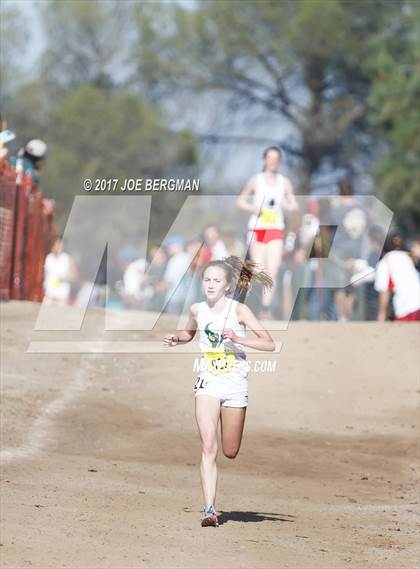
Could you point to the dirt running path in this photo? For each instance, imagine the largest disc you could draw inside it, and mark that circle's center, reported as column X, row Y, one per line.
column 101, row 455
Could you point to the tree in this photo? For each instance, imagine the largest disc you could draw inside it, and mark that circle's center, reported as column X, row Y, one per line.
column 394, row 64
column 300, row 60
column 85, row 43
column 98, row 136
column 93, row 125
column 14, row 37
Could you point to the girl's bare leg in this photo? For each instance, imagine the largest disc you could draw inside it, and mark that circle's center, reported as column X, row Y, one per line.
column 207, row 412
column 232, row 423
column 256, row 251
column 348, row 305
column 272, row 261
column 340, row 304
column 257, row 254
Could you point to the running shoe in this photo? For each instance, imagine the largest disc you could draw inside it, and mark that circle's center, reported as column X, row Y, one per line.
column 210, row 517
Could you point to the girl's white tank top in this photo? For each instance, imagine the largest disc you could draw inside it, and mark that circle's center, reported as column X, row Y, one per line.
column 210, row 327
column 271, row 216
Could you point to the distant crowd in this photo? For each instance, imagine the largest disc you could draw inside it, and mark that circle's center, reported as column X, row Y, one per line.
column 375, row 276
column 167, row 281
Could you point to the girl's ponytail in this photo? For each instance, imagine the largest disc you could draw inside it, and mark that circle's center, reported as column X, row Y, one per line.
column 244, row 272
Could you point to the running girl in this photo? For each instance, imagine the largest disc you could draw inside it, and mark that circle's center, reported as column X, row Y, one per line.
column 272, row 193
column 221, row 390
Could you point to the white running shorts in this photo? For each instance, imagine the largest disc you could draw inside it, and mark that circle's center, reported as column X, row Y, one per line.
column 230, row 388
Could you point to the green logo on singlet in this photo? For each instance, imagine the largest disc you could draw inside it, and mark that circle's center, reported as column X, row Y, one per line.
column 214, row 338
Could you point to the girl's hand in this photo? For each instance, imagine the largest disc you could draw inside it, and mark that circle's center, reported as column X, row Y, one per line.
column 170, row 340
column 229, row 334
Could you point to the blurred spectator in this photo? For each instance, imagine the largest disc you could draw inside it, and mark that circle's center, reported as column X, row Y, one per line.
column 326, row 236
column 215, row 243
column 377, row 237
column 311, row 248
column 308, row 230
column 132, row 288
column 349, row 215
column 200, row 253
column 176, row 280
column 415, row 252
column 48, row 207
column 234, row 245
column 396, row 272
column 30, row 159
column 59, row 272
column 94, row 293
column 286, row 275
column 29, row 163
column 156, row 266
column 5, row 137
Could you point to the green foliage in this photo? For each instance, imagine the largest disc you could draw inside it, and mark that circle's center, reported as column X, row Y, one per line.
column 309, row 62
column 94, row 125
column 13, row 35
column 295, row 59
column 344, row 74
column 394, row 63
column 101, row 136
column 84, row 41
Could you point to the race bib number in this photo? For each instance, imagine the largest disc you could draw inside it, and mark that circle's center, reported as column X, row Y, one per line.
column 269, row 217
column 56, row 283
column 199, row 384
column 219, row 362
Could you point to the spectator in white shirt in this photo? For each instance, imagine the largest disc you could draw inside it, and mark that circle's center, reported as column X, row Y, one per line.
column 59, row 272
column 133, row 288
column 396, row 273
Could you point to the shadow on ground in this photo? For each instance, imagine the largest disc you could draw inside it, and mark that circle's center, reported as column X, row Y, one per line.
column 234, row 516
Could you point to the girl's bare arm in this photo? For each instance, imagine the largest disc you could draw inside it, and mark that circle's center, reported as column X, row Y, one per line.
column 186, row 335
column 290, row 202
column 383, row 302
column 263, row 341
column 242, row 201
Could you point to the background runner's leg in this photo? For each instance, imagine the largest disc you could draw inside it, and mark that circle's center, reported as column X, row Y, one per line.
column 272, row 261
column 256, row 251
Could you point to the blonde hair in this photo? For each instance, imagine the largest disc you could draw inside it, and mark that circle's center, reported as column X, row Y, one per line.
column 243, row 271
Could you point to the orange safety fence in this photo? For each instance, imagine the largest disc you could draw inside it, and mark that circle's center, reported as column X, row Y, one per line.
column 26, row 234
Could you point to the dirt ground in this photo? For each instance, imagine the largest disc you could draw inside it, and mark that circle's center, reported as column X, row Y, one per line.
column 100, row 453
